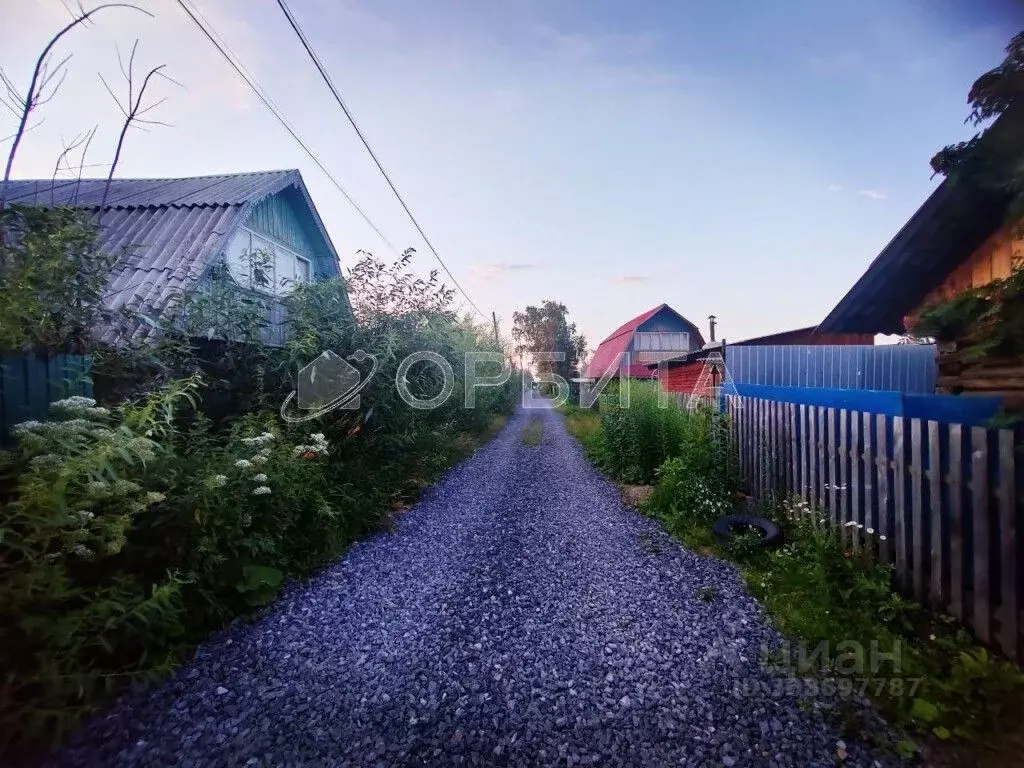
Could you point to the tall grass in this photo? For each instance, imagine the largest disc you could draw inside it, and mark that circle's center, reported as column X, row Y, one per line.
column 637, row 440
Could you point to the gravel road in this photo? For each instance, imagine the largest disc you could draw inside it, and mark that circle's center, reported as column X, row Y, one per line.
column 519, row 616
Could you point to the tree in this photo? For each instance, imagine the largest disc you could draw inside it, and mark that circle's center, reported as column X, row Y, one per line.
column 545, row 329
column 993, row 159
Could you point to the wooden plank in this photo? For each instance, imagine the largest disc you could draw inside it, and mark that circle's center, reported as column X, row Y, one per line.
column 882, row 490
column 937, row 594
column 833, row 482
column 770, row 452
column 804, row 448
column 758, row 436
column 1009, row 637
column 844, row 477
column 812, row 424
column 794, row 461
column 870, row 486
column 918, row 561
column 982, row 613
column 822, row 464
column 899, row 493
column 956, row 521
column 855, row 474
column 779, row 460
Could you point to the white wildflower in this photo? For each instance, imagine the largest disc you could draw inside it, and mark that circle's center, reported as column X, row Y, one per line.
column 26, row 426
column 243, row 464
column 317, row 437
column 84, row 514
column 260, row 478
column 869, row 530
column 125, row 487
column 882, row 538
column 154, row 497
column 259, row 458
column 261, row 490
column 931, row 637
column 97, row 487
column 218, row 481
column 850, row 524
column 45, row 460
column 82, row 551
column 75, row 401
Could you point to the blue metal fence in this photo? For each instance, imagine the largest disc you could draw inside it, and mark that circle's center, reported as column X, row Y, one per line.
column 907, row 368
column 28, row 384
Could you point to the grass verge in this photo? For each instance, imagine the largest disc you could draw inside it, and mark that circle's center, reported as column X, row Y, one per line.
column 533, row 433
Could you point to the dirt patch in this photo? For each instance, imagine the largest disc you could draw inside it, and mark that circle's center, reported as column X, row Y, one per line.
column 635, row 495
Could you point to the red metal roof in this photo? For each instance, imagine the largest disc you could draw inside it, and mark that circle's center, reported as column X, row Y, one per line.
column 608, row 351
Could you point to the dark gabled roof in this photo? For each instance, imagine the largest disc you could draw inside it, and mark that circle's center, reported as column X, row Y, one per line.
column 170, row 229
column 940, row 236
column 944, row 232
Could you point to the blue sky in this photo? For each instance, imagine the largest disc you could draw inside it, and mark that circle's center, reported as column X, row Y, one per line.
column 746, row 159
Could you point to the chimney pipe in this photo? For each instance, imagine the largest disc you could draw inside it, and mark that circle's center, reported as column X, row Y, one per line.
column 712, row 319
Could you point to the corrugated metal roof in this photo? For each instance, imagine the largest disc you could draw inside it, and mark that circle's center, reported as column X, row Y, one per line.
column 225, row 189
column 169, row 230
column 617, row 342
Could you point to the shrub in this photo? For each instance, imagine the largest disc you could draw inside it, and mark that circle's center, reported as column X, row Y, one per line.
column 131, row 532
column 75, row 624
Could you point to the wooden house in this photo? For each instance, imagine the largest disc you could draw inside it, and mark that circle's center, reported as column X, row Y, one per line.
column 658, row 334
column 173, row 235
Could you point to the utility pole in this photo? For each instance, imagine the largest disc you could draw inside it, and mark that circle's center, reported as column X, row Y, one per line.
column 494, row 317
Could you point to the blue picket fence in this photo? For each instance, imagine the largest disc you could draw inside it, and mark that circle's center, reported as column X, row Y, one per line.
column 28, row 384
column 907, row 368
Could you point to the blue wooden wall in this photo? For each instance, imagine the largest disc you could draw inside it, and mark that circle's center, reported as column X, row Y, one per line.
column 28, row 385
column 276, row 218
column 907, row 368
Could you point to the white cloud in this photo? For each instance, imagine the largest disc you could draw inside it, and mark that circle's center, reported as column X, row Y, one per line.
column 835, row 188
column 492, row 271
column 632, row 279
column 874, row 194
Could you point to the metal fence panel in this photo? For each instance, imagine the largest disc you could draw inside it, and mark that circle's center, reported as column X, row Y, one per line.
column 28, row 384
column 907, row 368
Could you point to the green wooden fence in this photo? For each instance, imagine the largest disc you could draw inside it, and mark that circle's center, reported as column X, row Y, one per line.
column 28, row 384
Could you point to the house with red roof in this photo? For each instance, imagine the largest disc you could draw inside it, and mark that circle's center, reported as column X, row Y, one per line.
column 658, row 334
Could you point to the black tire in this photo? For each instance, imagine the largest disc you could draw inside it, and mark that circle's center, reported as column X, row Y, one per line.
column 725, row 528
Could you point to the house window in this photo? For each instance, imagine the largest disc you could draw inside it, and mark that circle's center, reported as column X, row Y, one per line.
column 257, row 262
column 662, row 342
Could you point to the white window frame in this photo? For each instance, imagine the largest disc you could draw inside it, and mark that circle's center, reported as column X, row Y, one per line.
column 276, row 287
column 652, row 341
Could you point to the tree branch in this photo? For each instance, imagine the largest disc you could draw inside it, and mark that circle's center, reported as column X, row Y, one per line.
column 41, row 78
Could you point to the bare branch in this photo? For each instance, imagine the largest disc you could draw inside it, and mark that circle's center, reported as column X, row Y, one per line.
column 62, row 157
column 40, row 79
column 133, row 110
column 29, row 129
column 81, row 163
column 111, row 92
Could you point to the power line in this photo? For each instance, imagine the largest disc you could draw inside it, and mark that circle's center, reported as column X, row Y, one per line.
column 341, row 103
column 221, row 46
